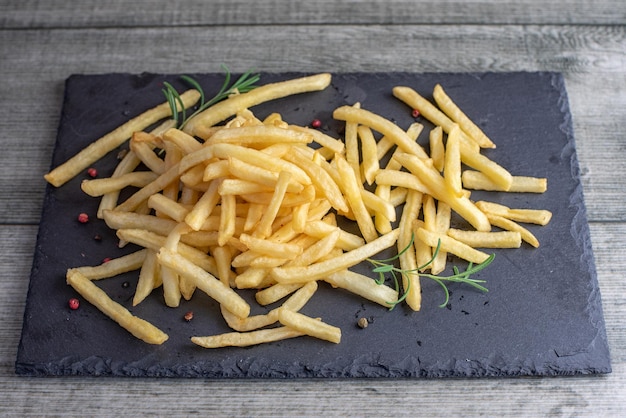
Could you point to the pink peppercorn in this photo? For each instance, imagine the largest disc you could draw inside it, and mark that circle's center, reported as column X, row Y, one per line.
column 92, row 172
column 415, row 113
column 83, row 218
column 73, row 303
column 316, row 123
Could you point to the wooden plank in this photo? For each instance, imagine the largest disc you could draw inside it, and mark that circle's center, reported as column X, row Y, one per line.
column 150, row 13
column 590, row 57
column 559, row 396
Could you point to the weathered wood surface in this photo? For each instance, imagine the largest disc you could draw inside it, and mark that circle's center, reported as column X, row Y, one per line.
column 41, row 43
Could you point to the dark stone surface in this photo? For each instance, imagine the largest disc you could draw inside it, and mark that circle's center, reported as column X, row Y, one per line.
column 541, row 316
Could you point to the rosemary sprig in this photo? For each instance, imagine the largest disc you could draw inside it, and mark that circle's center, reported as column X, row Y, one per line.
column 383, row 266
column 243, row 84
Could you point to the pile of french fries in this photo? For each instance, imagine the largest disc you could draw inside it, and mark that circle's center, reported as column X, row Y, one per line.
column 235, row 202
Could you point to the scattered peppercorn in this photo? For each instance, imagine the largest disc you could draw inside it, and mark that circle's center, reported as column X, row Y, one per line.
column 125, row 285
column 92, row 172
column 106, row 260
column 362, row 322
column 97, row 237
column 73, row 303
column 83, row 218
column 188, row 316
column 415, row 113
column 316, row 123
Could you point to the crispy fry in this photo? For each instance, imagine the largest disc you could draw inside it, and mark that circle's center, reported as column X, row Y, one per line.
column 478, row 239
column 353, row 195
column 346, row 260
column 114, row 266
column 223, row 110
column 309, row 326
column 205, row 282
column 449, row 244
column 382, row 125
column 533, row 216
column 520, row 184
column 363, row 286
column 138, row 327
column 246, row 339
column 456, row 114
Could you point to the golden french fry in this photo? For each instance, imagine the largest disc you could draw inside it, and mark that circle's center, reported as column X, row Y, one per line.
column 276, row 292
column 364, row 286
column 442, row 225
column 351, row 139
column 309, row 326
column 102, row 146
column 99, row 187
column 114, row 266
column 145, row 192
column 452, row 164
column 423, row 251
column 246, row 339
column 250, row 323
column 223, row 110
column 166, row 206
column 402, row 179
column 147, row 281
column 377, row 205
column 126, row 165
column 430, row 112
column 201, row 211
column 491, row 169
column 332, row 145
column 316, row 251
column 533, row 216
column 382, row 125
column 408, row 262
column 205, row 282
column 478, row 239
column 264, row 227
column 145, row 153
column 320, row 178
column 185, row 142
column 251, row 278
column 131, row 220
column 346, row 260
column 261, row 135
column 228, row 216
column 154, row 242
column 437, row 150
column 256, row 174
column 368, row 153
column 447, row 105
column 450, row 245
column 520, row 184
column 346, row 241
column 273, row 249
column 138, row 327
column 509, row 225
column 353, row 195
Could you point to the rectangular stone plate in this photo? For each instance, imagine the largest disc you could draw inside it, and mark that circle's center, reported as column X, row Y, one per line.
column 541, row 316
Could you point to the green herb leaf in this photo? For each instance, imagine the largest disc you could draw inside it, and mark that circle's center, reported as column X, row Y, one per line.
column 382, row 266
column 245, row 83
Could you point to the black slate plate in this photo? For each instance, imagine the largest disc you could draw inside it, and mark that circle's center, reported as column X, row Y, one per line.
column 541, row 316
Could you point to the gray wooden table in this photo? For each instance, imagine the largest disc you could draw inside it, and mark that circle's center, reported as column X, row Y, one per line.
column 41, row 43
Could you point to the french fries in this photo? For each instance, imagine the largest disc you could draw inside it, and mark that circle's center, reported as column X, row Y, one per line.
column 253, row 204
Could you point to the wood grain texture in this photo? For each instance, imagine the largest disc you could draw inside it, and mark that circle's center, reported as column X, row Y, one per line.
column 43, row 42
column 116, row 13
